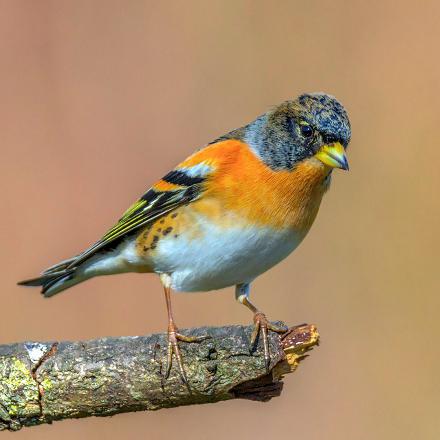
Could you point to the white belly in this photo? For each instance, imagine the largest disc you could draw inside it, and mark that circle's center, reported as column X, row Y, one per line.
column 222, row 257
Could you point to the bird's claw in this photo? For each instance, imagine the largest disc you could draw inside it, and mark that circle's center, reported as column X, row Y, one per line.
column 263, row 326
column 173, row 348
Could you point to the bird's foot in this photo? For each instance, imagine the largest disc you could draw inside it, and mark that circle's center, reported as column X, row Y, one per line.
column 263, row 326
column 173, row 348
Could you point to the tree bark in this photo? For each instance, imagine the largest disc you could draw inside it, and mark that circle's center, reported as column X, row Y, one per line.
column 43, row 382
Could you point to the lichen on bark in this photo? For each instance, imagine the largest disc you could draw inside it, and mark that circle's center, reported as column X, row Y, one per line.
column 43, row 382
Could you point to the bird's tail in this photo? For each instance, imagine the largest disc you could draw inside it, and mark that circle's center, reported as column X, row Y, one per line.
column 55, row 279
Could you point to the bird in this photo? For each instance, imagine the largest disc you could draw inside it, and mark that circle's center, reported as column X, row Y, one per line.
column 228, row 213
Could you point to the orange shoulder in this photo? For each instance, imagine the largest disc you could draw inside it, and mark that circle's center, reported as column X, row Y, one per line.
column 200, row 167
column 215, row 154
column 244, row 184
column 234, row 179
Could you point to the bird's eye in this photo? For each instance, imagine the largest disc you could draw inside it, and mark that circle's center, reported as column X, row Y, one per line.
column 306, row 130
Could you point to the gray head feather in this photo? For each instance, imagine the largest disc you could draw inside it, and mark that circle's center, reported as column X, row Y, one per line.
column 279, row 138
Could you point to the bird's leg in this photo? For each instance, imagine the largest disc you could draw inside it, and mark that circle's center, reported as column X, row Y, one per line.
column 174, row 335
column 262, row 325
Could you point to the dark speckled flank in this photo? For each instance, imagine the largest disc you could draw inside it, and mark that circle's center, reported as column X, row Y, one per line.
column 277, row 138
column 167, row 231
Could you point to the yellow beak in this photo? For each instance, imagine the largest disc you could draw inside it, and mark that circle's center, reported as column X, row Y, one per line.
column 333, row 155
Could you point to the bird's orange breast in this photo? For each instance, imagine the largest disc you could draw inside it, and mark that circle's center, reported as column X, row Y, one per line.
column 243, row 184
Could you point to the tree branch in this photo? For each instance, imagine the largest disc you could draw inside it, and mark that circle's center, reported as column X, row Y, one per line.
column 42, row 382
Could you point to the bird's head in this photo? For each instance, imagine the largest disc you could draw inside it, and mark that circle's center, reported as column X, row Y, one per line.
column 312, row 125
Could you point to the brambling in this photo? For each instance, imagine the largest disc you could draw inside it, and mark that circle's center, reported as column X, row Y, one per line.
column 226, row 214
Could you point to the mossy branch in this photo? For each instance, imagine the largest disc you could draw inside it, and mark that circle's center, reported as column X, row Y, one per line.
column 43, row 382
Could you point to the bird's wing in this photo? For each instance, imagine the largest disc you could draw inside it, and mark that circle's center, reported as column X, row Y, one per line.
column 179, row 187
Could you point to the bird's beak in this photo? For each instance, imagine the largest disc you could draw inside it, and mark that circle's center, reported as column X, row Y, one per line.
column 333, row 155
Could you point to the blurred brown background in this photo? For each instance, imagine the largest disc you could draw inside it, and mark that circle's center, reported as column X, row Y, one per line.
column 101, row 98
